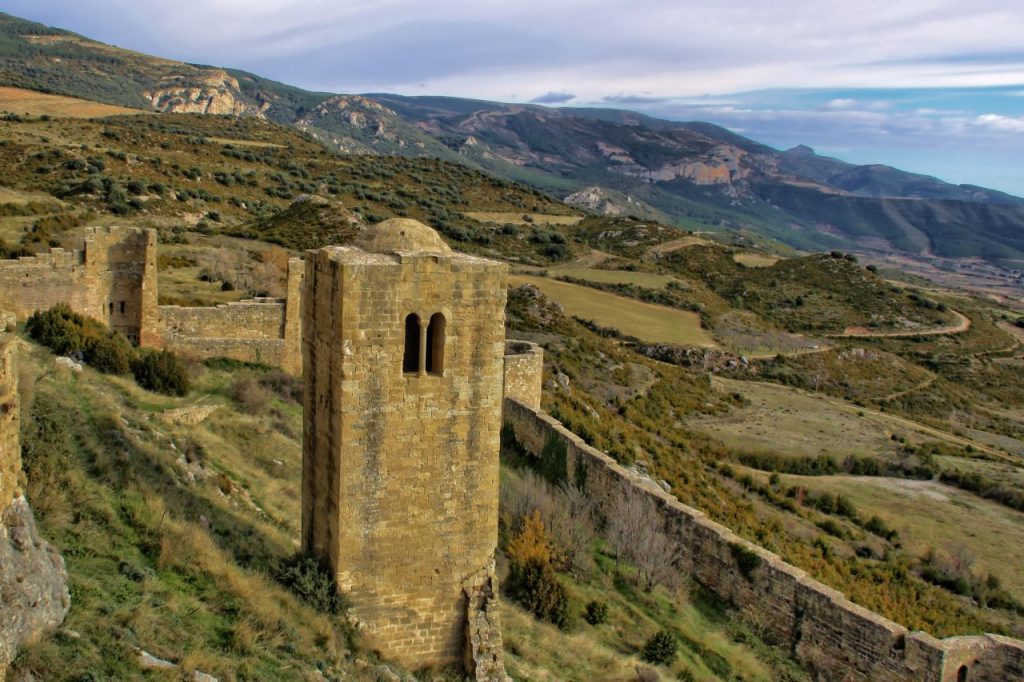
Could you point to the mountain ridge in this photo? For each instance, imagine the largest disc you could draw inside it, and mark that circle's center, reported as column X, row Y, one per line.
column 696, row 174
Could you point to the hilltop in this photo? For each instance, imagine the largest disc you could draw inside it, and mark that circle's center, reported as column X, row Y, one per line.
column 695, row 175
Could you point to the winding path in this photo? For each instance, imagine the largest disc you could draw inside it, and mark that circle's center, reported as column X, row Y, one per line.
column 962, row 325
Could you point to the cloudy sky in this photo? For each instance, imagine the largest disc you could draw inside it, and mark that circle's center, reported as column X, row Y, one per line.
column 934, row 86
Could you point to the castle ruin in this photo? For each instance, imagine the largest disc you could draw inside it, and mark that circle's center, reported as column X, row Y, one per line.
column 403, row 353
column 408, row 380
column 113, row 278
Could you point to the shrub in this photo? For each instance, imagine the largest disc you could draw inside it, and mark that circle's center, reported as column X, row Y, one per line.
column 161, row 372
column 311, row 581
column 58, row 328
column 596, row 613
column 660, row 649
column 250, row 395
column 285, row 386
column 110, row 354
column 532, row 581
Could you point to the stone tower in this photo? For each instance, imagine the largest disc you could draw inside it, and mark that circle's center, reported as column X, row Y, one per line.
column 402, row 351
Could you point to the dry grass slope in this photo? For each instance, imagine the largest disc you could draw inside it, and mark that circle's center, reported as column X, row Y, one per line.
column 20, row 101
column 645, row 321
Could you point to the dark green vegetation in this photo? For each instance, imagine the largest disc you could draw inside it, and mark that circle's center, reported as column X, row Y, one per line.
column 817, row 294
column 68, row 333
column 696, row 174
column 229, row 176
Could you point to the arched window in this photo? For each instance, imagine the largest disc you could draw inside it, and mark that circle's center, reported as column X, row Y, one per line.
column 435, row 344
column 411, row 357
column 110, row 308
column 961, row 674
column 122, row 307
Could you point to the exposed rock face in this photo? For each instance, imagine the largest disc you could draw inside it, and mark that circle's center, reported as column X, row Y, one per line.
column 596, row 199
column 214, row 93
column 33, row 582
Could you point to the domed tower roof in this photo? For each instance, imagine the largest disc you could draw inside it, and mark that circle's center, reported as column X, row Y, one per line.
column 401, row 234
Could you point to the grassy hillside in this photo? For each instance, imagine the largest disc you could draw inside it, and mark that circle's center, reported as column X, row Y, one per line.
column 234, row 176
column 695, row 175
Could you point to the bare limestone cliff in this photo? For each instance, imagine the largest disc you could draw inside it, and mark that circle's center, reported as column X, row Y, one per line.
column 212, row 92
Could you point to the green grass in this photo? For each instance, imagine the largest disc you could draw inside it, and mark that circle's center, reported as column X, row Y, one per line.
column 797, row 424
column 931, row 515
column 644, row 321
column 158, row 556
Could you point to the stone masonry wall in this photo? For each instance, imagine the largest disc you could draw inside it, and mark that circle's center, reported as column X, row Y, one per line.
column 11, row 477
column 524, row 372
column 262, row 330
column 830, row 635
column 111, row 278
column 400, row 469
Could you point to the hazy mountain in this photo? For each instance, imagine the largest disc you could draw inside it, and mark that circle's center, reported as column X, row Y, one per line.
column 698, row 175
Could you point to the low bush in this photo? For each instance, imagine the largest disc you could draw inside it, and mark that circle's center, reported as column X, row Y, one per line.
column 66, row 332
column 160, row 372
column 311, row 581
column 661, row 649
column 596, row 613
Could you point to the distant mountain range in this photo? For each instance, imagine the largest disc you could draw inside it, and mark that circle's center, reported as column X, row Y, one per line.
column 694, row 175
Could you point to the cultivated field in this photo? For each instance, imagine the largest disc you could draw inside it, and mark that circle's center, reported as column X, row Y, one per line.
column 518, row 218
column 675, row 244
column 19, row 101
column 645, row 321
column 931, row 515
column 246, row 143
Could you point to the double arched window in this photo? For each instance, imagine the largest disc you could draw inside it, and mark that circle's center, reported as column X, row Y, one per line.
column 424, row 344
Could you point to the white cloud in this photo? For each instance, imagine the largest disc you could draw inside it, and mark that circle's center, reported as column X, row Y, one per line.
column 1013, row 124
column 592, row 47
column 841, row 103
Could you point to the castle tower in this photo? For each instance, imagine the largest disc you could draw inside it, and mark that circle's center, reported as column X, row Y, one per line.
column 402, row 353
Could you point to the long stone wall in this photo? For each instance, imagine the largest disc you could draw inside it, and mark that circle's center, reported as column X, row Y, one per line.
column 252, row 331
column 263, row 330
column 829, row 634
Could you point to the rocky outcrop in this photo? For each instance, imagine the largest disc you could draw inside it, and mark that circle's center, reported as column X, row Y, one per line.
column 33, row 582
column 598, row 200
column 722, row 165
column 215, row 92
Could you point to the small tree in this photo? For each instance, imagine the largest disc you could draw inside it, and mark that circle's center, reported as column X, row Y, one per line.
column 660, row 649
column 634, row 530
column 532, row 581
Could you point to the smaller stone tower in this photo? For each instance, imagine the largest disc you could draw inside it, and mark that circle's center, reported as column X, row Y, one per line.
column 402, row 355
